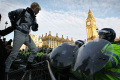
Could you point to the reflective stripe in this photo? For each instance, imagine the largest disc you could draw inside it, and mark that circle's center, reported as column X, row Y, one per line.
column 112, row 73
column 116, row 57
column 113, row 62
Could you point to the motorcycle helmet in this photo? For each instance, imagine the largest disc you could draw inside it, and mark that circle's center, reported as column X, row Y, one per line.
column 79, row 43
column 108, row 33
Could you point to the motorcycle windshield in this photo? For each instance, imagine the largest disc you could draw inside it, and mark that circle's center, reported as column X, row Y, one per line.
column 93, row 56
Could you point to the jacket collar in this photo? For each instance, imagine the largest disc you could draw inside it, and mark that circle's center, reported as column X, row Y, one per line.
column 29, row 10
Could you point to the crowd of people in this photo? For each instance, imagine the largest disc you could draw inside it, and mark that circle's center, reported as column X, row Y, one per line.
column 5, row 49
column 66, row 60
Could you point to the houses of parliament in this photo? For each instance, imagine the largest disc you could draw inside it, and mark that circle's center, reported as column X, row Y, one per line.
column 47, row 41
column 53, row 41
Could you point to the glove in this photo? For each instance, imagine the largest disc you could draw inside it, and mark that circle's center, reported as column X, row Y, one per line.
column 35, row 27
column 13, row 24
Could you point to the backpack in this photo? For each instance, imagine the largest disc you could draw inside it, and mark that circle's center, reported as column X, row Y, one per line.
column 17, row 17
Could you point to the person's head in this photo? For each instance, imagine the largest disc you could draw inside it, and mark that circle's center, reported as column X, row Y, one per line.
column 45, row 50
column 35, row 7
column 79, row 43
column 49, row 50
column 9, row 42
column 40, row 50
column 4, row 39
column 107, row 33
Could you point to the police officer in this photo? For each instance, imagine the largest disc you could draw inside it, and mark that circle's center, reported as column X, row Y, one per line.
column 100, row 66
column 112, row 68
column 62, row 59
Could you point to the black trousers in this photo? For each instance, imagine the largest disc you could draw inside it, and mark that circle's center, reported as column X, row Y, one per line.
column 2, row 71
column 3, row 56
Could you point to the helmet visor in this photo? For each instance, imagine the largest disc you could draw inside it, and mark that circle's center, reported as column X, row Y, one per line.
column 63, row 55
column 93, row 56
column 103, row 32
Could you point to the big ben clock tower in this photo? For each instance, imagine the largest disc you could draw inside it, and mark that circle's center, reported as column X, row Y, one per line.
column 91, row 26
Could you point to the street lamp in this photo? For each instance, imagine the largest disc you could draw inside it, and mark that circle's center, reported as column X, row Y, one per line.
column 6, row 24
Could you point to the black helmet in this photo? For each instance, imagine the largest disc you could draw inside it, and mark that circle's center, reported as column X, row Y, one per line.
column 79, row 43
column 109, row 34
column 49, row 50
column 40, row 50
column 63, row 56
column 45, row 50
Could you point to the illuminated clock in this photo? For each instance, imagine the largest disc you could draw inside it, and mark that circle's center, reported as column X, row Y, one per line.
column 88, row 23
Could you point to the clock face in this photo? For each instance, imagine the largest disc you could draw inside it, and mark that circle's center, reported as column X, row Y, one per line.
column 88, row 23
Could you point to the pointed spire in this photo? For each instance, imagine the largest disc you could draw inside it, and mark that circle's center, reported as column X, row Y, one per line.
column 90, row 13
column 67, row 37
column 46, row 34
column 56, row 34
column 89, row 10
column 62, row 36
column 49, row 32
